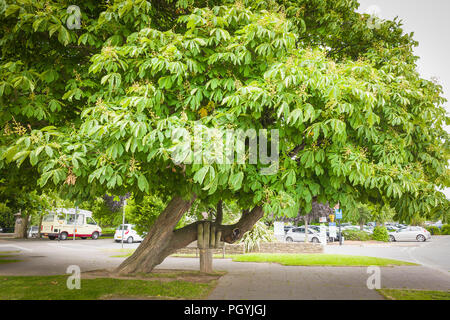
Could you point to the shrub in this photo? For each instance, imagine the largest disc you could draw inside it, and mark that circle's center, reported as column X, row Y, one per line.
column 259, row 233
column 108, row 231
column 355, row 235
column 380, row 234
column 445, row 229
column 433, row 230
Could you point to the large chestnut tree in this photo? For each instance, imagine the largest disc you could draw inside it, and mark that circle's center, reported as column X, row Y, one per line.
column 95, row 109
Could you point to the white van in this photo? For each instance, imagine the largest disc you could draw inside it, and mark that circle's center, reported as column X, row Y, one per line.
column 62, row 224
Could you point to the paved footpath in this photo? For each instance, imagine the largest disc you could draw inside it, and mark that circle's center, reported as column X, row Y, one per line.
column 259, row 281
column 244, row 280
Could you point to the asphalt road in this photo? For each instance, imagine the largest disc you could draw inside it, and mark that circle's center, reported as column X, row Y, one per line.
column 434, row 253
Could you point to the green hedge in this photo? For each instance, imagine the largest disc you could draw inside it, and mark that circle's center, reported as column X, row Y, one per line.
column 433, row 230
column 445, row 229
column 355, row 235
column 108, row 230
column 380, row 234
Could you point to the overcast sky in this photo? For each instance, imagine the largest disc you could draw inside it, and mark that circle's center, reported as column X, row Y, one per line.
column 430, row 22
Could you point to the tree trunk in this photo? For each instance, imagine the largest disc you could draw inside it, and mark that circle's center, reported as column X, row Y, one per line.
column 152, row 250
column 41, row 216
column 361, row 226
column 162, row 240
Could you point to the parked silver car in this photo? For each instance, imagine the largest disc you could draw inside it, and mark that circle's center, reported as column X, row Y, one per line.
column 298, row 234
column 411, row 233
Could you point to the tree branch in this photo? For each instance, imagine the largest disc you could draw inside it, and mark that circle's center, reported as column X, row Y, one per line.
column 219, row 213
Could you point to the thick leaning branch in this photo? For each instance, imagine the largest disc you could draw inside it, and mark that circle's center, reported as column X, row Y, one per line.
column 149, row 253
column 230, row 233
column 162, row 240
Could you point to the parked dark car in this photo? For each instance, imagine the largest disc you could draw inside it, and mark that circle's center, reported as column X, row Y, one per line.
column 6, row 230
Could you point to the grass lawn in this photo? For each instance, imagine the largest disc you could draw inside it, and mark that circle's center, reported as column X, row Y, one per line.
column 55, row 288
column 408, row 294
column 320, row 259
column 290, row 259
column 8, row 254
column 3, row 261
column 121, row 255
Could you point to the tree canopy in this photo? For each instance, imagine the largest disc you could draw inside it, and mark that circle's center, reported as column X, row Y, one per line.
column 94, row 110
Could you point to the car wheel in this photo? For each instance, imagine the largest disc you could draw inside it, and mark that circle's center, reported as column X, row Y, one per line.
column 130, row 240
column 95, row 235
column 289, row 239
column 315, row 240
column 391, row 238
column 63, row 236
column 51, row 237
column 84, row 238
column 421, row 238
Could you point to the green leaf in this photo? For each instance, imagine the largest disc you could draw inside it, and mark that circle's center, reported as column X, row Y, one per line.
column 290, row 178
column 64, row 35
column 143, row 183
column 49, row 151
column 200, row 174
column 236, row 180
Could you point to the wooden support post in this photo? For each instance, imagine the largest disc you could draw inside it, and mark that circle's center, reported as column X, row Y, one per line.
column 200, row 236
column 218, row 236
column 203, row 243
column 212, row 239
column 206, row 260
column 206, row 234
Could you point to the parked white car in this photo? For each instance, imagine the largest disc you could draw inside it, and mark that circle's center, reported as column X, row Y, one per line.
column 410, row 234
column 369, row 230
column 353, row 228
column 298, row 235
column 129, row 234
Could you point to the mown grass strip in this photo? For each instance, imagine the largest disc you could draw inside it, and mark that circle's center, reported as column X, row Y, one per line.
column 4, row 261
column 411, row 294
column 55, row 288
column 320, row 260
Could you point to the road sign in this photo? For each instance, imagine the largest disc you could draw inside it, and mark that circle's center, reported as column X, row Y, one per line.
column 323, row 219
column 332, row 230
column 323, row 234
column 338, row 213
column 278, row 228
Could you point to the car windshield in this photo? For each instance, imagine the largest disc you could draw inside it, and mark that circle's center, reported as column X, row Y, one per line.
column 91, row 221
column 124, row 227
column 48, row 218
column 70, row 219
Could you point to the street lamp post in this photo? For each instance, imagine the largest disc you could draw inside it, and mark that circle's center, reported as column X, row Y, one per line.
column 123, row 220
column 75, row 223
